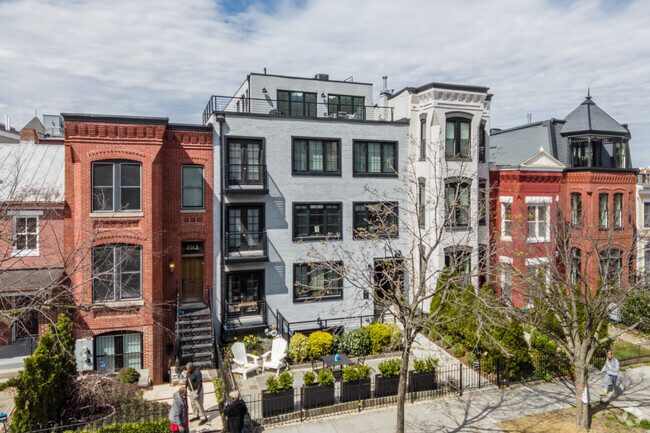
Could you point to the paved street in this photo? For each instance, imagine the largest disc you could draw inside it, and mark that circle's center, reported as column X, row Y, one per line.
column 480, row 411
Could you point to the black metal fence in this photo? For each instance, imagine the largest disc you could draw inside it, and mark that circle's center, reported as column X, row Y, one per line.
column 626, row 353
column 334, row 325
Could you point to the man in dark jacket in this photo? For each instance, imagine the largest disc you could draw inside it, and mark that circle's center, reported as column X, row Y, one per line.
column 194, row 383
column 178, row 413
column 235, row 412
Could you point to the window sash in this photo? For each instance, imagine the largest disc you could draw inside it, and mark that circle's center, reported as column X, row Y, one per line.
column 315, row 156
column 618, row 210
column 192, row 186
column 457, row 138
column 301, row 104
column 117, row 272
column 576, row 209
column 25, row 233
column 537, row 221
column 457, row 204
column 312, row 282
column 376, row 220
column 375, row 158
column 116, row 186
column 646, row 214
column 317, row 220
column 603, row 217
column 423, row 139
column 506, row 219
column 346, row 104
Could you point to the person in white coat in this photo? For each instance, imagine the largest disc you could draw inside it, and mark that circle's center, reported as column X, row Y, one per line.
column 611, row 370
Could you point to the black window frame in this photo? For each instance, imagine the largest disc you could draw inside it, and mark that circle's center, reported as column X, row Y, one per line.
column 261, row 292
column 116, row 279
column 586, row 153
column 183, row 186
column 423, row 139
column 576, row 209
column 458, row 147
column 610, row 266
column 356, row 144
column 116, row 186
column 363, row 221
column 119, row 354
column 451, row 220
column 235, row 238
column 482, row 142
column 307, row 106
column 324, row 142
column 646, row 214
column 338, row 279
column 331, row 236
column 422, row 202
column 483, row 207
column 338, row 105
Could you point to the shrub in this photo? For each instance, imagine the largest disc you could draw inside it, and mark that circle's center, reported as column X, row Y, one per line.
column 425, row 364
column 337, row 344
column 458, row 350
column 285, row 380
column 395, row 334
column 380, row 336
column 144, row 427
column 471, row 357
column 299, row 347
column 325, row 377
column 309, row 378
column 389, row 368
column 637, row 307
column 272, row 385
column 319, row 344
column 357, row 342
column 128, row 375
column 363, row 371
column 219, row 390
column 350, row 373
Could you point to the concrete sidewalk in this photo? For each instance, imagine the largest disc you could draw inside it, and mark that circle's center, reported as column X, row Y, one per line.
column 480, row 411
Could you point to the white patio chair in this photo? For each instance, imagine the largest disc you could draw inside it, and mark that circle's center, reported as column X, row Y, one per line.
column 274, row 359
column 240, row 357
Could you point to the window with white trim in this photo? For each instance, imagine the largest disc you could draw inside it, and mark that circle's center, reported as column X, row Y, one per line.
column 603, row 210
column 646, row 214
column 25, row 235
column 539, row 219
column 507, row 277
column 618, row 210
column 506, row 218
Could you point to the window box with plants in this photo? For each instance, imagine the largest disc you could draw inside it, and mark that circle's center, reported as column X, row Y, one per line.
column 356, row 383
column 278, row 399
column 387, row 381
column 423, row 377
column 321, row 394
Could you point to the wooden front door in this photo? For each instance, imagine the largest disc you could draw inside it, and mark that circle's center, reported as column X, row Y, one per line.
column 192, row 279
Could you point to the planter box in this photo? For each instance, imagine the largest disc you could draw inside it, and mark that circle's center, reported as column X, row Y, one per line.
column 274, row 404
column 317, row 396
column 425, row 381
column 355, row 390
column 386, row 385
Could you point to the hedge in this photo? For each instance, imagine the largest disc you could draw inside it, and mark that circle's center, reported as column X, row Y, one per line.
column 145, row 427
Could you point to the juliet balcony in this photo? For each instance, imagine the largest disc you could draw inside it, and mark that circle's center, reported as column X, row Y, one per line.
column 246, row 247
column 246, row 179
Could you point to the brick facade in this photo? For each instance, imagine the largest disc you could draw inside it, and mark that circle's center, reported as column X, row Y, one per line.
column 159, row 228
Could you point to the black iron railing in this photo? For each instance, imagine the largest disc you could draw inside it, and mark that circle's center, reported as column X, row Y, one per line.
column 246, row 243
column 246, row 176
column 315, row 110
column 236, row 310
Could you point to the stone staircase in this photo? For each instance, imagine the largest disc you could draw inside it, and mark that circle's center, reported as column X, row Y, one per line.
column 194, row 329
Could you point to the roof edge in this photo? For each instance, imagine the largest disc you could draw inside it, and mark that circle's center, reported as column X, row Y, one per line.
column 114, row 118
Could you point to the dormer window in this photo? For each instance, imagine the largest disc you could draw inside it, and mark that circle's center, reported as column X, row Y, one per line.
column 619, row 154
column 585, row 153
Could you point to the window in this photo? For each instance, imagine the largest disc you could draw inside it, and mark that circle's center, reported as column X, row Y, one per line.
column 423, row 139
column 245, row 229
column 422, row 203
column 371, row 158
column 243, row 288
column 25, row 235
column 316, row 156
column 115, row 351
column 458, row 261
column 646, row 214
column 346, row 104
column 482, row 265
column 538, row 274
column 297, row 103
column 375, row 220
column 585, row 153
column 619, row 154
column 575, row 275
column 116, row 186
column 317, row 221
column 538, row 222
column 507, row 277
column 618, row 210
column 457, row 138
column 576, row 209
column 245, row 163
column 457, row 204
column 117, row 271
column 192, row 186
column 315, row 281
column 506, row 218
column 646, row 264
column 482, row 202
column 481, row 143
column 603, row 211
column 611, row 266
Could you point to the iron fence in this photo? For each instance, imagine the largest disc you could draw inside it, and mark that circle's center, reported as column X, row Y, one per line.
column 334, row 325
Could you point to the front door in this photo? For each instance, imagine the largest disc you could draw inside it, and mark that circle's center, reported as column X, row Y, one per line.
column 192, row 272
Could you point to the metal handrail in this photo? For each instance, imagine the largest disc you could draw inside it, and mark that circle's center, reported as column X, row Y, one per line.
column 246, row 175
column 246, row 241
column 301, row 109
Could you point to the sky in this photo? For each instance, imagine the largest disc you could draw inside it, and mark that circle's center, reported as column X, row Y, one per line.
column 165, row 58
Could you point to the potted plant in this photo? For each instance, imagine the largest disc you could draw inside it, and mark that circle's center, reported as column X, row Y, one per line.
column 387, row 380
column 423, row 377
column 356, row 383
column 278, row 397
column 321, row 394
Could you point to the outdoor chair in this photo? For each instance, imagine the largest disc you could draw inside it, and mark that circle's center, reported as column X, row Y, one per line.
column 274, row 359
column 240, row 357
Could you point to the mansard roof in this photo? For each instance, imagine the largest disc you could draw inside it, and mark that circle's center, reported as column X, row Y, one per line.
column 590, row 119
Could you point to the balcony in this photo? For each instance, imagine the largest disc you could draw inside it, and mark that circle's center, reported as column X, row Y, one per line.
column 246, row 179
column 295, row 109
column 246, row 247
column 245, row 315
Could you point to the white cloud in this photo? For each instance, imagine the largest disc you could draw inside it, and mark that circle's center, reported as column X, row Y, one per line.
column 166, row 58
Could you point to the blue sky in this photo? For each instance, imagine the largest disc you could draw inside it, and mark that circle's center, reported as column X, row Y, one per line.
column 165, row 58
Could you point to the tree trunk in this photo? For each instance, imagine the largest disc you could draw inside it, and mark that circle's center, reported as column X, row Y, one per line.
column 401, row 389
column 583, row 420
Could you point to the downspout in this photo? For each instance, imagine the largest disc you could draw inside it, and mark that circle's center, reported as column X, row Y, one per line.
column 222, row 210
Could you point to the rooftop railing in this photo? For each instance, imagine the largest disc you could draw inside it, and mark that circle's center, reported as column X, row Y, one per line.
column 293, row 108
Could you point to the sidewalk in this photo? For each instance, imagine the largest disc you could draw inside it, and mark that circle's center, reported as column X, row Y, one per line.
column 481, row 410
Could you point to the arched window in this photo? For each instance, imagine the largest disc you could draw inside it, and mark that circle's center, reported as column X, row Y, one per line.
column 457, row 137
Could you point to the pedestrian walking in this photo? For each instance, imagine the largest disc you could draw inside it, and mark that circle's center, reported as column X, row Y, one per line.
column 235, row 412
column 194, row 383
column 178, row 413
column 611, row 369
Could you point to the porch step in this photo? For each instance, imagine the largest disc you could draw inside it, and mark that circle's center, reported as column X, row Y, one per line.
column 207, row 330
column 194, row 322
column 197, row 346
column 195, row 338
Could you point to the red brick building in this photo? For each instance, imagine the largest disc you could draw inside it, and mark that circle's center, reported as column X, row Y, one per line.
column 138, row 216
column 591, row 199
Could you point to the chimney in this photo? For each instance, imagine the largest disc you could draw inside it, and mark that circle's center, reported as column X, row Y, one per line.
column 529, row 117
column 385, row 90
